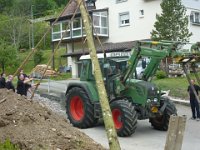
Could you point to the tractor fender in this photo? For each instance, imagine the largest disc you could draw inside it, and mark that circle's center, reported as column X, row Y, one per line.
column 88, row 87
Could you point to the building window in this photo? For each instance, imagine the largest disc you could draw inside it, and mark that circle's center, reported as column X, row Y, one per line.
column 120, row 1
column 195, row 18
column 77, row 28
column 66, row 26
column 124, row 19
column 141, row 13
column 100, row 21
column 56, row 31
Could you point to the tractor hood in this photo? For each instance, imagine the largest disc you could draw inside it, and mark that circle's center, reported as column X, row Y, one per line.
column 141, row 91
column 147, row 87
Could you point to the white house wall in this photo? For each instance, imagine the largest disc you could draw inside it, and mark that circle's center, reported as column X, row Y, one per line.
column 195, row 29
column 139, row 28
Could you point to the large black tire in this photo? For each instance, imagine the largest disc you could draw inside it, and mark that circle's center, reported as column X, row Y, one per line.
column 161, row 122
column 79, row 109
column 124, row 117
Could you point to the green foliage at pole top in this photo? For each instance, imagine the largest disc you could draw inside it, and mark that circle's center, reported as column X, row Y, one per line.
column 8, row 55
column 172, row 23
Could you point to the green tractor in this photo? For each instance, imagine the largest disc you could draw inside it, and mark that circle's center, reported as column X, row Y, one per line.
column 130, row 98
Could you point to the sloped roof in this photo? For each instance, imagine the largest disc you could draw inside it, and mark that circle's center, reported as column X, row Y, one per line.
column 117, row 46
column 108, row 47
column 194, row 4
column 70, row 9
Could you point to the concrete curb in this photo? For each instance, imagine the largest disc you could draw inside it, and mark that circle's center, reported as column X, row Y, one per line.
column 179, row 101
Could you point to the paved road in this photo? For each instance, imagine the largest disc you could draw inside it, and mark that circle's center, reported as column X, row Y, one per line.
column 145, row 137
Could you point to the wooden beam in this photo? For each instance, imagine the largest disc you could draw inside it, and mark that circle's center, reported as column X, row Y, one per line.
column 175, row 133
column 103, row 98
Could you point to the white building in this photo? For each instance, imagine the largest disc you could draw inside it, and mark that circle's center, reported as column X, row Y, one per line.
column 193, row 12
column 118, row 23
column 134, row 19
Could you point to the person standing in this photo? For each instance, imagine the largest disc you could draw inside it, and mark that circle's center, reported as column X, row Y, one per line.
column 9, row 84
column 2, row 81
column 193, row 101
column 21, row 85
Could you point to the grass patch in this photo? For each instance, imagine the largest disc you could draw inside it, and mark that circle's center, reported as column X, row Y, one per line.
column 46, row 55
column 177, row 86
column 7, row 145
column 61, row 76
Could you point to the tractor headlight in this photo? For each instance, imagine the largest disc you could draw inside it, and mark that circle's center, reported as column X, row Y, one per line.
column 148, row 100
column 155, row 100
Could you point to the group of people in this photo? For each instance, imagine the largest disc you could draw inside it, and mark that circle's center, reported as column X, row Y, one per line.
column 23, row 85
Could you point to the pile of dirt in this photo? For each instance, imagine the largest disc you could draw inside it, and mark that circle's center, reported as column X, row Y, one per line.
column 31, row 125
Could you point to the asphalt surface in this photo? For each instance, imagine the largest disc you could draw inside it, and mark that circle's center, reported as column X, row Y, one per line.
column 145, row 137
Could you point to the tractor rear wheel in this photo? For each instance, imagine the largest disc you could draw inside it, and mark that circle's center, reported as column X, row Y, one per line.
column 79, row 109
column 162, row 122
column 124, row 117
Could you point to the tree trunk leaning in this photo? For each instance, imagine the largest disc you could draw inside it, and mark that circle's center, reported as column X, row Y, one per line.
column 107, row 115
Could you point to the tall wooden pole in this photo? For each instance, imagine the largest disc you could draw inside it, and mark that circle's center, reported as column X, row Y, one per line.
column 107, row 116
column 175, row 132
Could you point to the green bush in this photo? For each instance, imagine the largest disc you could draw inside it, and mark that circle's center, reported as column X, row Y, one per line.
column 38, row 57
column 7, row 145
column 161, row 74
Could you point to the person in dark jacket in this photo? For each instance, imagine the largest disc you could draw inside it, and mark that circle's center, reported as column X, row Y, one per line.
column 28, row 85
column 193, row 101
column 9, row 84
column 2, row 81
column 22, row 72
column 21, row 85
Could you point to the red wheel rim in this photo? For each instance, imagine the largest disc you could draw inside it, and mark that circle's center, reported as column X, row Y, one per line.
column 117, row 118
column 77, row 108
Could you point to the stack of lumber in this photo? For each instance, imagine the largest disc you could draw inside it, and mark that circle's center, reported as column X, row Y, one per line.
column 39, row 69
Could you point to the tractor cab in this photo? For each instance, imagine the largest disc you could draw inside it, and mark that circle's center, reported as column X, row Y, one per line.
column 114, row 63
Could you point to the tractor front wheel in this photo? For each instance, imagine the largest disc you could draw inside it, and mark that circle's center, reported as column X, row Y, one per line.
column 124, row 117
column 162, row 122
column 79, row 110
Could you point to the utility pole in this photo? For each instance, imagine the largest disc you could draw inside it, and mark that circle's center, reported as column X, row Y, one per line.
column 103, row 98
column 32, row 27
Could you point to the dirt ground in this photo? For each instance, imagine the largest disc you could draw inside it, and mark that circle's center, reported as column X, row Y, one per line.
column 31, row 125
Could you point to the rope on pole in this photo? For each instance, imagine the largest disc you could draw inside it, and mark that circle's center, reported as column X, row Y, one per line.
column 35, row 49
column 72, row 18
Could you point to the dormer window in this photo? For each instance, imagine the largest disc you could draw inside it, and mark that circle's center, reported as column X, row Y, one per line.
column 90, row 3
column 120, row 1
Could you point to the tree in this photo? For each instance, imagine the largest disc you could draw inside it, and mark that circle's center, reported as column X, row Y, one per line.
column 8, row 55
column 172, row 24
